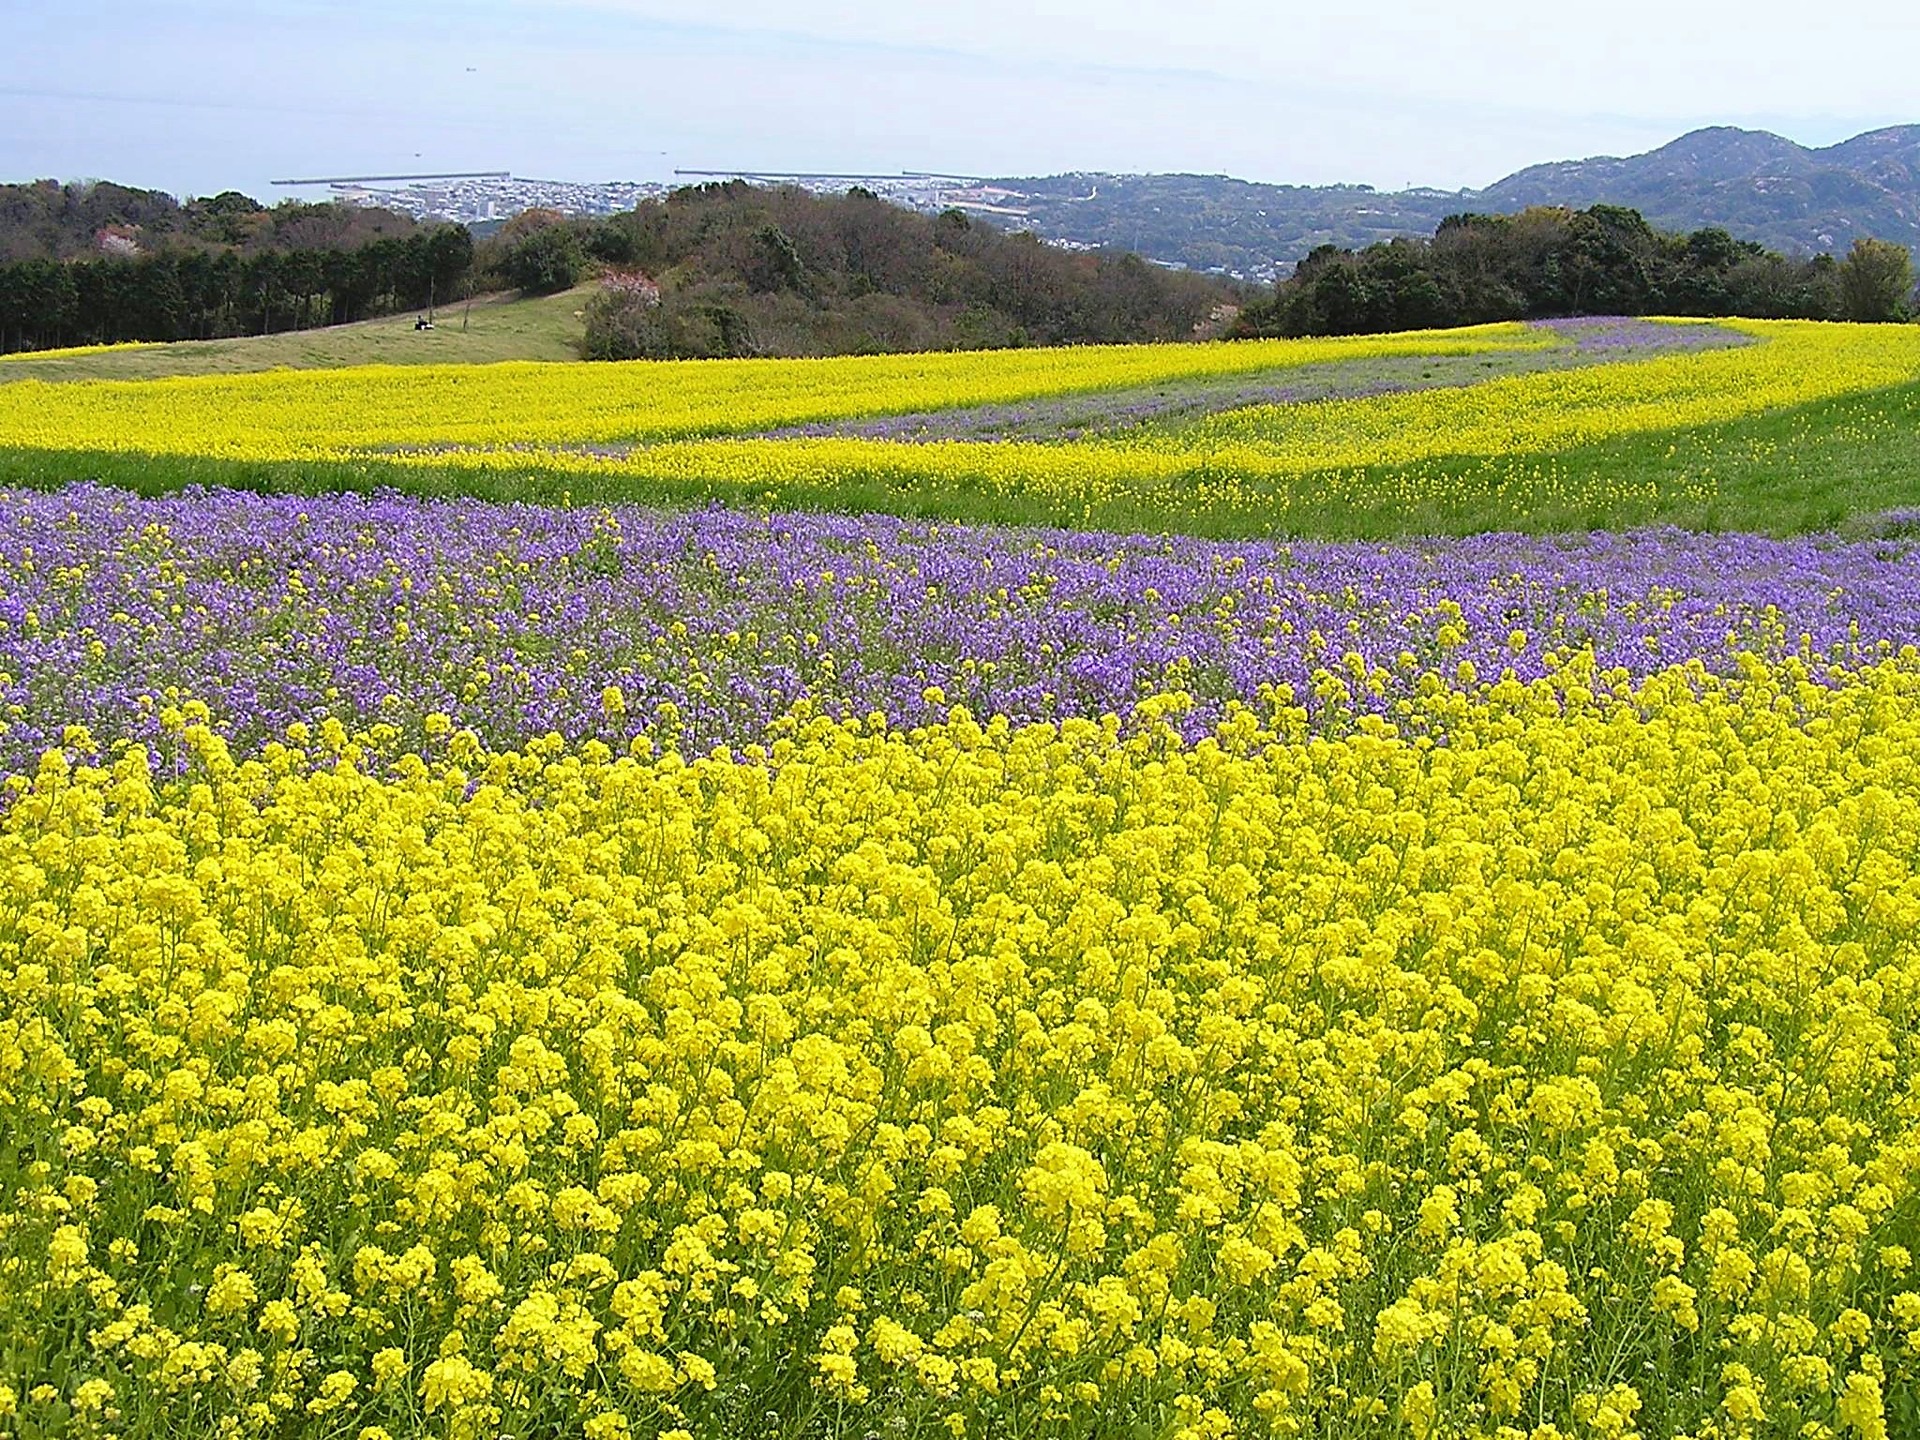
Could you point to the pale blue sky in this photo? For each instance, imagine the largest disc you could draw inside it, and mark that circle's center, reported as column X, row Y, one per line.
column 198, row 95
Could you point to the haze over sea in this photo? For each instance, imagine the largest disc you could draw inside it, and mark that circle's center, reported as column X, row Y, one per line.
column 202, row 95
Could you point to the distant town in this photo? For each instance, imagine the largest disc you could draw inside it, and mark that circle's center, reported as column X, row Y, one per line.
column 492, row 196
column 477, row 197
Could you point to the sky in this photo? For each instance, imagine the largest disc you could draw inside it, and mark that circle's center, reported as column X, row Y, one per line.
column 197, row 96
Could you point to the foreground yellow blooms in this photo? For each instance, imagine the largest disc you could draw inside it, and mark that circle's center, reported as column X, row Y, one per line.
column 1543, row 1065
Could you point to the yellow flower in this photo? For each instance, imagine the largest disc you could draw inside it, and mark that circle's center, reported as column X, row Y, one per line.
column 1860, row 1406
column 1439, row 1213
column 232, row 1291
column 67, row 1255
column 334, row 1392
column 1063, row 1178
column 389, row 1367
column 1743, row 1405
column 1419, row 1410
column 452, row 1383
column 1674, row 1298
column 1076, row 1067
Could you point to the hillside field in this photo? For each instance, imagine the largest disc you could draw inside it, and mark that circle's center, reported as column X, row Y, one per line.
column 1360, row 888
column 496, row 327
column 1779, row 427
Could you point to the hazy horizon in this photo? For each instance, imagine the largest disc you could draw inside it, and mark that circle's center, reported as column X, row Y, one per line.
column 214, row 94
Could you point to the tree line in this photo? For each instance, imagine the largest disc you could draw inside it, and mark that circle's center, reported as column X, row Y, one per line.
column 98, row 263
column 1550, row 261
column 209, row 294
column 46, row 220
column 736, row 269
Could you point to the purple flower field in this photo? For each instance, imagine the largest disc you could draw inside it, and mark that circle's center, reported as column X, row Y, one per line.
column 514, row 620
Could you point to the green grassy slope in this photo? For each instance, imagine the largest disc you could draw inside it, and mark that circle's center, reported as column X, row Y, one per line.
column 1833, row 465
column 498, row 327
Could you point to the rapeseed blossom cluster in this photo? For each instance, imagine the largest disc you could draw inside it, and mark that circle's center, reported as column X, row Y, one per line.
column 1538, row 1061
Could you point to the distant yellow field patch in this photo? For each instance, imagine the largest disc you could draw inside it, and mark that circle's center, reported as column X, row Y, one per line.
column 74, row 352
column 696, row 420
column 326, row 414
column 1797, row 363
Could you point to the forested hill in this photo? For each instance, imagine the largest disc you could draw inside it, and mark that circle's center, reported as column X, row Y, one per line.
column 1756, row 186
column 742, row 270
column 48, row 220
column 1753, row 184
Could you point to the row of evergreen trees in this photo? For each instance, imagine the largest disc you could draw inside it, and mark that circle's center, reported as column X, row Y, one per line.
column 1554, row 262
column 755, row 271
column 207, row 294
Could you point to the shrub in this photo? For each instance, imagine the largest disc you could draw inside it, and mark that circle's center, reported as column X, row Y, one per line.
column 545, row 262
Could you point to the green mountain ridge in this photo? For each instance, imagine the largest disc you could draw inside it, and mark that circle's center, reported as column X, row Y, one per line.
column 1756, row 185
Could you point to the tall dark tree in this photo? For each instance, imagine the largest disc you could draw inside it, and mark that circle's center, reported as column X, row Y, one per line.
column 1876, row 281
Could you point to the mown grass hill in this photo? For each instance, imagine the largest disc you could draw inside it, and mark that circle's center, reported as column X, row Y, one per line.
column 496, row 326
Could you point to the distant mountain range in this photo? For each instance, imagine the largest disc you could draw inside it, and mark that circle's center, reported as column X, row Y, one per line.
column 1757, row 185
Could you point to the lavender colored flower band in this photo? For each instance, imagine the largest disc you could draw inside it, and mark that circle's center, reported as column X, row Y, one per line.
column 514, row 620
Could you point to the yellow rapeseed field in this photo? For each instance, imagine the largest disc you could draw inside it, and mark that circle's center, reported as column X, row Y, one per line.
column 1541, row 1065
column 1797, row 362
column 1425, row 1055
column 519, row 417
column 320, row 414
column 72, row 352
